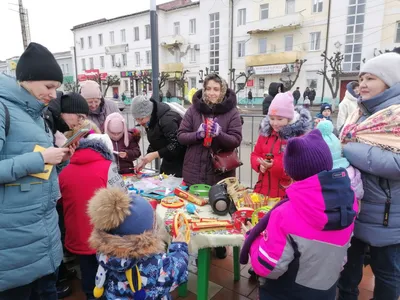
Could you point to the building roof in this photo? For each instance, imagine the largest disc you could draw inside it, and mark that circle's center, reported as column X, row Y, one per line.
column 169, row 6
column 62, row 54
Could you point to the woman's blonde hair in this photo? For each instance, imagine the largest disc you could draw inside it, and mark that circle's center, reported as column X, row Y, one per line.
column 86, row 124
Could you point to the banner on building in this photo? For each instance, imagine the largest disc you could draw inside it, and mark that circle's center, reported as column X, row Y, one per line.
column 273, row 69
column 136, row 74
column 92, row 74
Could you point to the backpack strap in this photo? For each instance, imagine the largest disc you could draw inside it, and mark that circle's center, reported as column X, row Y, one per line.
column 7, row 113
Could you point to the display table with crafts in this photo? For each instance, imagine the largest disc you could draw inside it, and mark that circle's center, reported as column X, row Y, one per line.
column 205, row 222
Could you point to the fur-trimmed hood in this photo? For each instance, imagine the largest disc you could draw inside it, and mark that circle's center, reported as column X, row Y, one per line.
column 96, row 146
column 299, row 125
column 128, row 247
column 228, row 103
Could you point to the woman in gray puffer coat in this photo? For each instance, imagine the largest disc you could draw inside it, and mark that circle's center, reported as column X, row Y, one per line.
column 217, row 102
column 372, row 144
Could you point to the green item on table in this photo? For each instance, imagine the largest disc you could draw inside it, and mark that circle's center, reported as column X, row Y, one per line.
column 200, row 190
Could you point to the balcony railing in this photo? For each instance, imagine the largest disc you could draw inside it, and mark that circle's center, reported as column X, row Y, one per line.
column 285, row 22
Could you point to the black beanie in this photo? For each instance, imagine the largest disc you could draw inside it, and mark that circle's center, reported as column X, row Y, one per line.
column 74, row 103
column 37, row 64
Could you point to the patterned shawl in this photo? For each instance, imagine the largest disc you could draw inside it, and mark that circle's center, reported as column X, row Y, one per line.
column 382, row 129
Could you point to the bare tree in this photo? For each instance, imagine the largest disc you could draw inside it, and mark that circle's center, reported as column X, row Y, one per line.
column 111, row 80
column 162, row 79
column 72, row 86
column 288, row 82
column 180, row 82
column 332, row 71
column 240, row 86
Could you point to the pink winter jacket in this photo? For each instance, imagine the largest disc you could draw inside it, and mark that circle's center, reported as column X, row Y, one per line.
column 304, row 245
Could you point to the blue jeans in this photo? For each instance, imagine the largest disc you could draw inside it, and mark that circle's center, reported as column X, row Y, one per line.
column 43, row 288
column 385, row 264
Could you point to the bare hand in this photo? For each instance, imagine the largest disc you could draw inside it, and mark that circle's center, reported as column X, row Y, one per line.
column 180, row 238
column 147, row 159
column 246, row 228
column 54, row 156
column 265, row 165
column 123, row 154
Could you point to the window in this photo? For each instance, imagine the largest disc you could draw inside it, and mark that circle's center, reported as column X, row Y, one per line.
column 290, row 7
column 82, row 43
column 177, row 29
column 113, row 60
column 90, row 42
column 192, row 82
column 91, row 65
column 148, row 58
column 147, row 29
column 192, row 26
column 100, row 39
column 242, row 16
column 137, row 59
column 397, row 39
column 112, row 37
column 262, row 46
column 192, row 55
column 241, row 49
column 289, row 43
column 102, row 62
column 126, row 85
column 136, row 33
column 354, row 36
column 261, row 84
column 66, row 69
column 123, row 36
column 124, row 60
column 264, row 11
column 315, row 41
column 317, row 6
column 312, row 83
column 214, row 43
column 83, row 64
column 62, row 68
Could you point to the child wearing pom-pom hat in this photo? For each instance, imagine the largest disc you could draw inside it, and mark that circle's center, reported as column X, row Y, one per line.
column 132, row 259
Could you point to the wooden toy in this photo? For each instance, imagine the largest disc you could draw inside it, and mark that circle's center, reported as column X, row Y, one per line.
column 172, row 202
column 181, row 225
column 189, row 197
column 259, row 213
column 208, row 226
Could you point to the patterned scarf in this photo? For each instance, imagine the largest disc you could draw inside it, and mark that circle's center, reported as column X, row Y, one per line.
column 382, row 129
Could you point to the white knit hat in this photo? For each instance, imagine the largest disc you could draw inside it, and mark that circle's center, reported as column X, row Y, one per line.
column 103, row 138
column 385, row 66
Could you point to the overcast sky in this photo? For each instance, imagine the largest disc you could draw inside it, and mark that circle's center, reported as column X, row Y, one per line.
column 51, row 20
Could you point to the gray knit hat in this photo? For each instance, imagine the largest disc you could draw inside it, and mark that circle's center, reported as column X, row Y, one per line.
column 141, row 107
column 385, row 66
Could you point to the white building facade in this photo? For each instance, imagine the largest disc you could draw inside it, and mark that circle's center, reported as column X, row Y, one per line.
column 262, row 37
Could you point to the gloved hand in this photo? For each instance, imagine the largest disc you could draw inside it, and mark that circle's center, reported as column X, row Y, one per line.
column 201, row 132
column 215, row 129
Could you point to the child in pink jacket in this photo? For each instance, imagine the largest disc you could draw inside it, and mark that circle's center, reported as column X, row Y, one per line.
column 300, row 246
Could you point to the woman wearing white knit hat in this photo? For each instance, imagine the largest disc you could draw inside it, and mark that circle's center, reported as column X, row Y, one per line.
column 371, row 138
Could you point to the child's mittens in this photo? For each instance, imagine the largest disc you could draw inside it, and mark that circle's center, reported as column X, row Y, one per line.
column 201, row 131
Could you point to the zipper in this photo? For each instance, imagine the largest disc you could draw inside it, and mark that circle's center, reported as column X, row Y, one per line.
column 269, row 174
column 116, row 146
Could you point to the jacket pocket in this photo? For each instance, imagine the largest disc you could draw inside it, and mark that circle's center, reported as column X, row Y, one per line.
column 22, row 196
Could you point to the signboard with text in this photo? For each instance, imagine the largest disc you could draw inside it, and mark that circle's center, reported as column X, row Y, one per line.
column 92, row 74
column 273, row 69
column 135, row 74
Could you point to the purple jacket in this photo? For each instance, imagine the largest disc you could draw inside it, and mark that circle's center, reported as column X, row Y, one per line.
column 197, row 166
column 125, row 165
column 99, row 116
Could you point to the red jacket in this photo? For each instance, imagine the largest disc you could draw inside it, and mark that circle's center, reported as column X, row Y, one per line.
column 90, row 169
column 274, row 181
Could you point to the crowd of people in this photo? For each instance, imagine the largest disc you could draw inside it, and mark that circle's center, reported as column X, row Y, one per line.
column 336, row 187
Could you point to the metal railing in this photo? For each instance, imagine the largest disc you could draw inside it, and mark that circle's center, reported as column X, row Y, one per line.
column 250, row 133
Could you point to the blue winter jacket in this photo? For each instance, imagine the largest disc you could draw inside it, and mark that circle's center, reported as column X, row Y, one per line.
column 375, row 163
column 30, row 245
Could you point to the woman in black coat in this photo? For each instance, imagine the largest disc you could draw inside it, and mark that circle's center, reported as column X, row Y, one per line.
column 161, row 124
